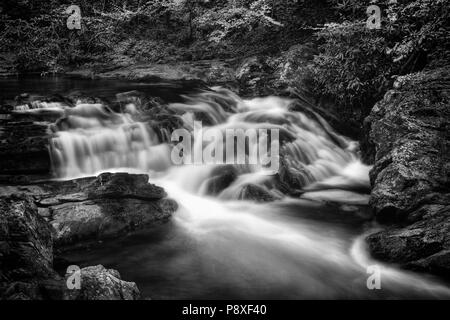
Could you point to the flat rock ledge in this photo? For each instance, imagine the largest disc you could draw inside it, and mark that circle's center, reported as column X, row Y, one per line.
column 96, row 208
column 411, row 183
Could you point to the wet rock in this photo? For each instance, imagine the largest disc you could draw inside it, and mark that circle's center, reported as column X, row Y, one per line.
column 25, row 240
column 94, row 208
column 411, row 183
column 221, row 178
column 99, row 283
column 162, row 120
column 26, row 249
column 256, row 193
column 409, row 129
column 292, row 177
column 423, row 245
column 104, row 206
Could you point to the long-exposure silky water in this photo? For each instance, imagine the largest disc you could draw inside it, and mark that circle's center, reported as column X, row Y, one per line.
column 223, row 244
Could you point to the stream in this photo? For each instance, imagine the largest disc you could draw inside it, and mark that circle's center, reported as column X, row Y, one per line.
column 221, row 245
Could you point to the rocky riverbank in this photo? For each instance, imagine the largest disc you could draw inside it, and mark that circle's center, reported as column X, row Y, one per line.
column 411, row 184
column 38, row 219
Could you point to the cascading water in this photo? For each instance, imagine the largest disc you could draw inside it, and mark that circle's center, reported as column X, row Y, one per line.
column 92, row 138
column 219, row 246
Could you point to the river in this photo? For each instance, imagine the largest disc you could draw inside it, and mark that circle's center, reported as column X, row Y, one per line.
column 219, row 245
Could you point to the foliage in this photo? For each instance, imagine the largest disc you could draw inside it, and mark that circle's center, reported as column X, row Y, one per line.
column 112, row 30
column 356, row 66
column 353, row 66
column 43, row 43
column 233, row 22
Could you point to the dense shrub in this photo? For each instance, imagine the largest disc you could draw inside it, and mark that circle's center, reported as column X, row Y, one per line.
column 355, row 66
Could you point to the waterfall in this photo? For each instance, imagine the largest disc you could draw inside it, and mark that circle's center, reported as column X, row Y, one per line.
column 91, row 138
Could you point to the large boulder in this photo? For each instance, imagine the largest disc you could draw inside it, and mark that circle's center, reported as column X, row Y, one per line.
column 221, row 178
column 411, row 183
column 95, row 208
column 105, row 206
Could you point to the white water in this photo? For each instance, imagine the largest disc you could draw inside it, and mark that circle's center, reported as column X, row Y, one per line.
column 254, row 246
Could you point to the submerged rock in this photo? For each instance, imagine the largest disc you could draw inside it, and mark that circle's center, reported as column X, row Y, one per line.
column 410, row 178
column 221, row 178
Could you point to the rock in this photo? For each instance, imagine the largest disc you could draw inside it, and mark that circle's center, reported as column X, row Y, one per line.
column 94, row 208
column 409, row 130
column 25, row 240
column 105, row 206
column 26, row 249
column 256, row 193
column 290, row 177
column 26, row 261
column 24, row 148
column 220, row 178
column 99, row 283
column 411, row 183
column 95, row 219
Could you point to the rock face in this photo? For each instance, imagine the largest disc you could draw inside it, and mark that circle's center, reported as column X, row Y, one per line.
column 410, row 178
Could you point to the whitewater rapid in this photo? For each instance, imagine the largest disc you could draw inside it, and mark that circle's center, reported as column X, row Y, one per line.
column 286, row 244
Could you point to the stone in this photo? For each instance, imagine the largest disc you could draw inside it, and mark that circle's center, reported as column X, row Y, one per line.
column 26, row 244
column 220, row 178
column 99, row 283
column 411, row 175
column 256, row 193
